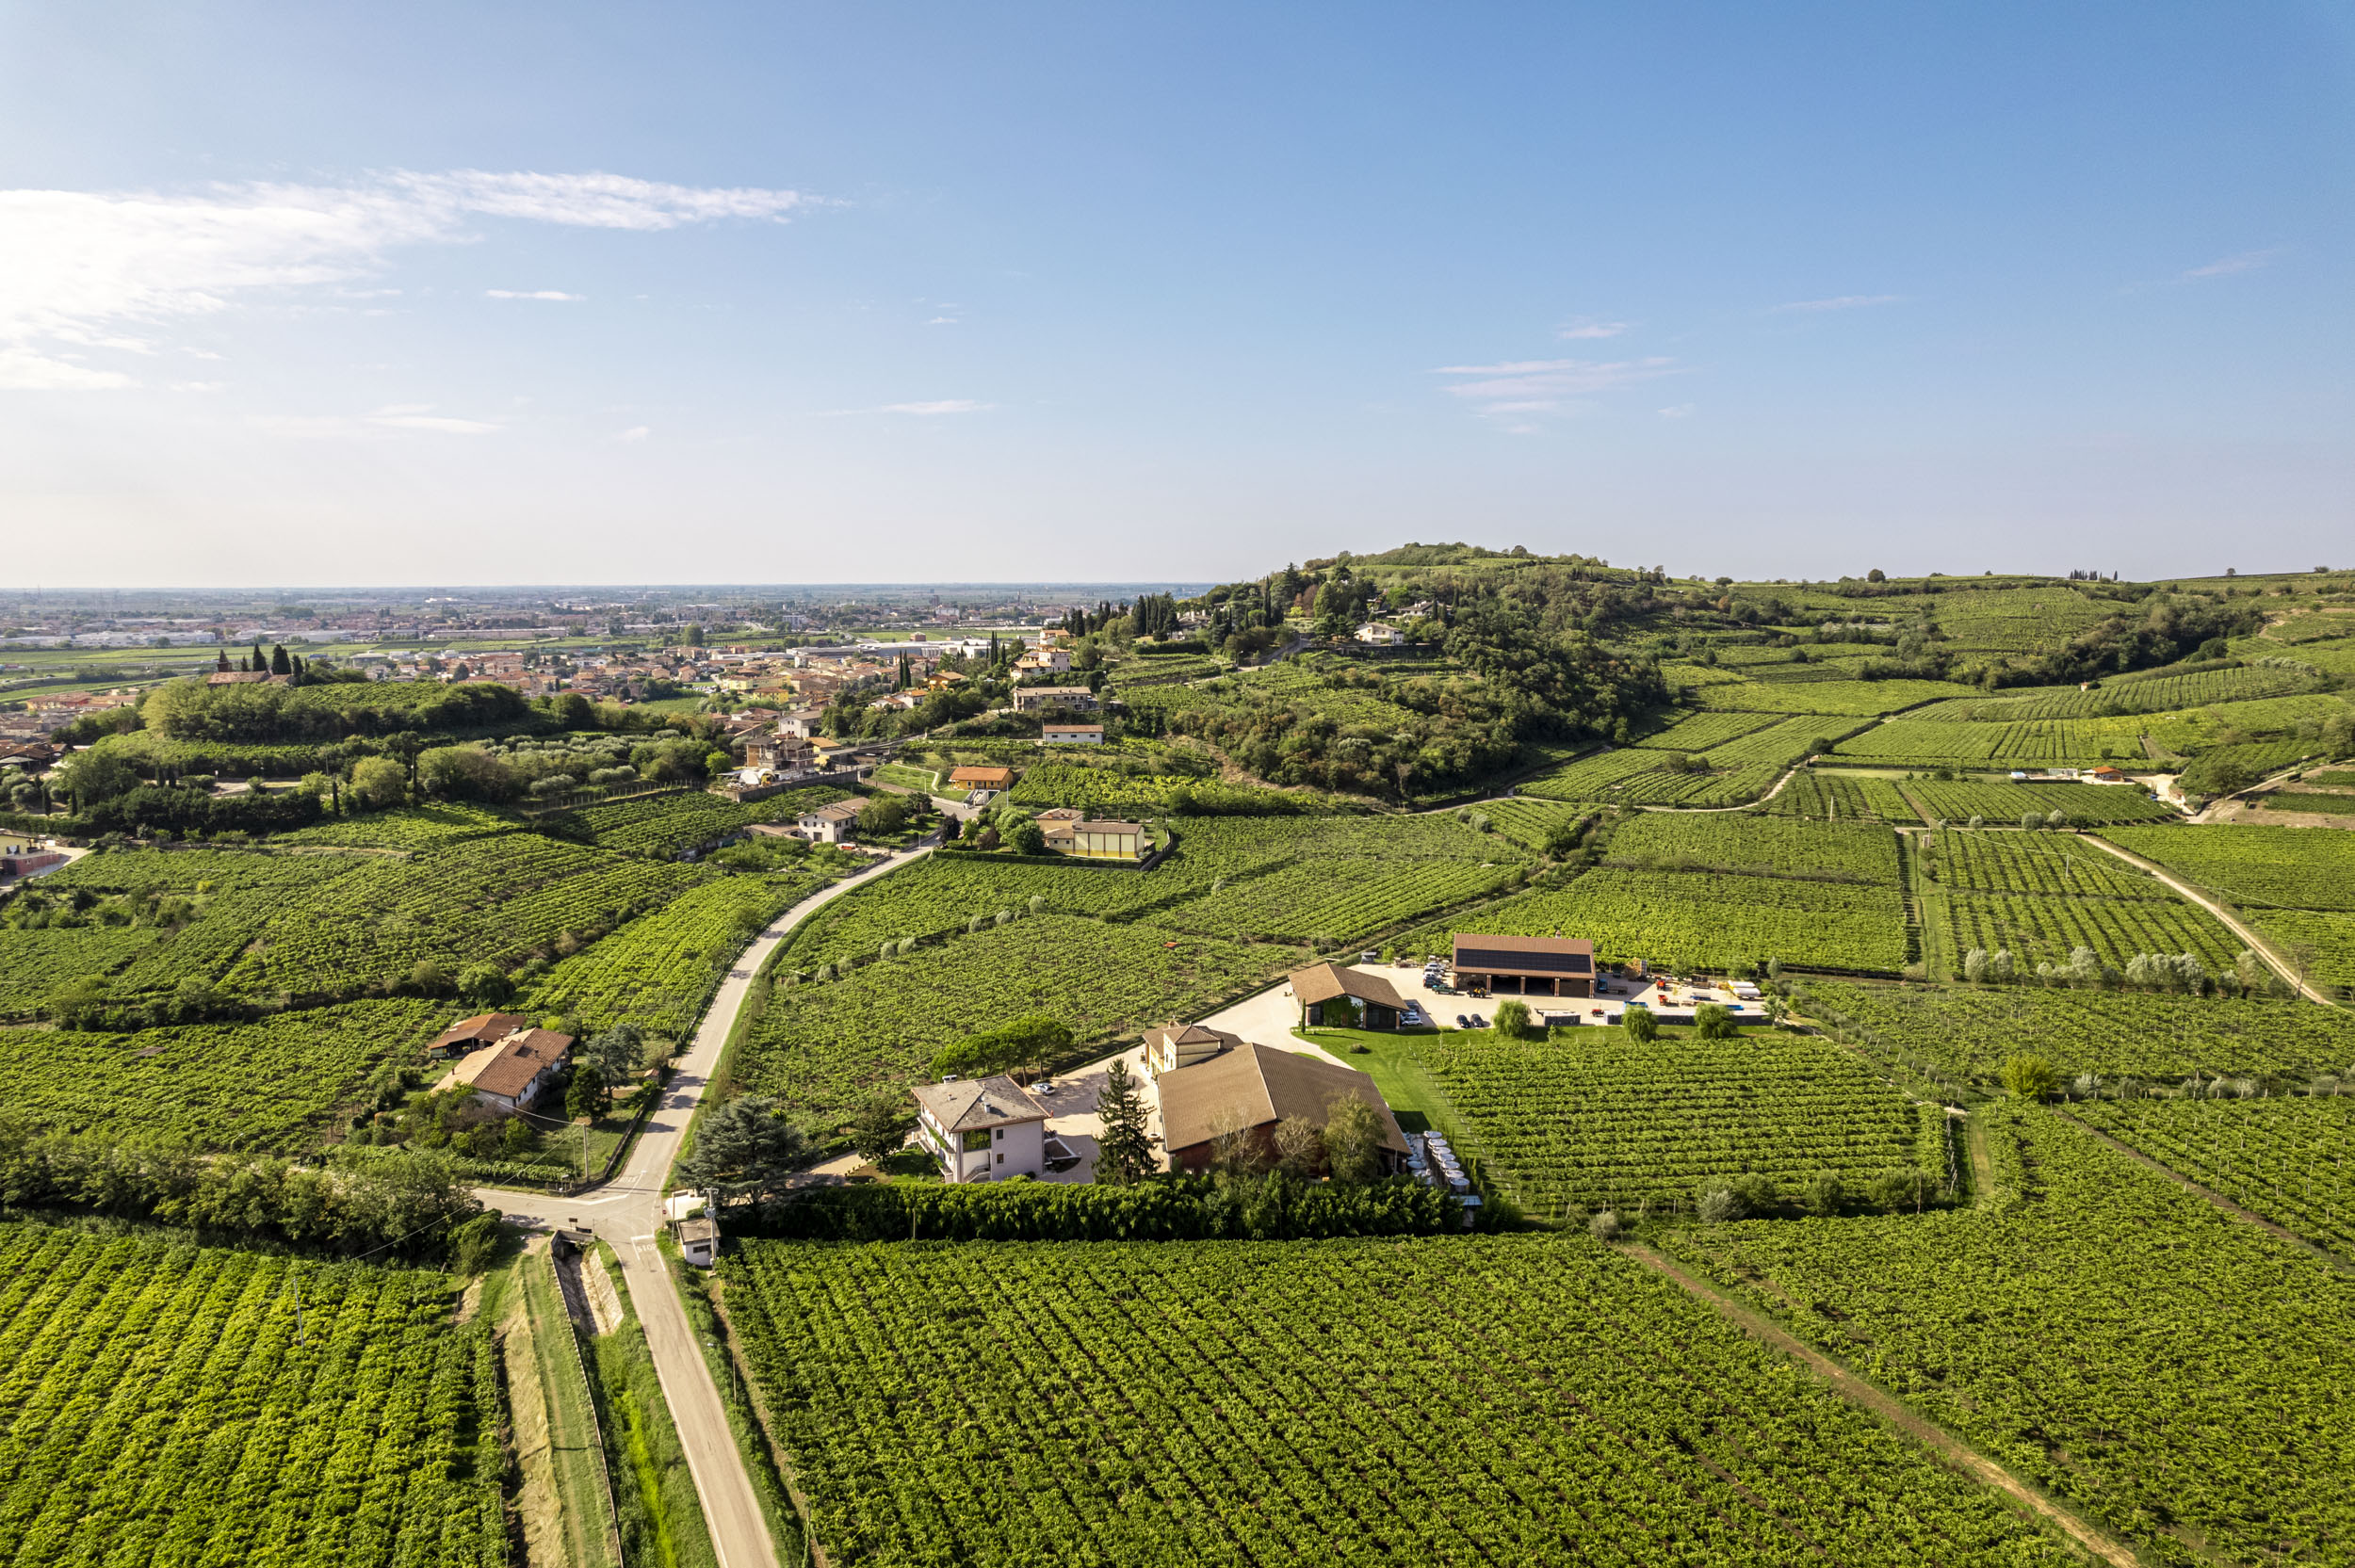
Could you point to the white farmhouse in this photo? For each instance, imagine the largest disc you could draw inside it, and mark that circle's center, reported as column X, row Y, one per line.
column 981, row 1129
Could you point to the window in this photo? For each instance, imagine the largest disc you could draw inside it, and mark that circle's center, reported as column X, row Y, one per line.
column 1001, row 1156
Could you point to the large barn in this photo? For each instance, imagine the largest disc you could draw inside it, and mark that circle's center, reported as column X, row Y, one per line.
column 1525, row 965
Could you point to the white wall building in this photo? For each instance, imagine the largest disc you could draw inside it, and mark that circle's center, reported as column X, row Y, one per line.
column 981, row 1129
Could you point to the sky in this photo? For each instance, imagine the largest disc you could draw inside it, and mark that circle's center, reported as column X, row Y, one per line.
column 787, row 293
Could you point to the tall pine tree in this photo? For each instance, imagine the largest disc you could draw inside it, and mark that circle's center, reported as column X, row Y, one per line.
column 1124, row 1150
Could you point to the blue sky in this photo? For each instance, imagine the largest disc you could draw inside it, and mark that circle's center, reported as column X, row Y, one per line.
column 781, row 293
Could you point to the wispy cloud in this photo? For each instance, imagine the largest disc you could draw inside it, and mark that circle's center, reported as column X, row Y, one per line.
column 942, row 321
column 76, row 267
column 1841, row 302
column 532, row 293
column 1677, row 411
column 1521, row 387
column 636, row 432
column 2248, row 261
column 1584, row 327
column 392, row 418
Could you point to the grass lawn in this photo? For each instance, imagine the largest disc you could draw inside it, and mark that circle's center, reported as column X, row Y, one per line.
column 1392, row 1061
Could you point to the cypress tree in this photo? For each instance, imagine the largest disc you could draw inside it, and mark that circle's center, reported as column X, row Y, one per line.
column 278, row 662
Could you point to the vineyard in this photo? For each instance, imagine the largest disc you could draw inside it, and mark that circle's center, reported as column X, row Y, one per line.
column 668, row 826
column 1841, row 796
column 1762, row 846
column 1334, row 900
column 161, row 1405
column 2073, row 1323
column 2153, row 693
column 273, row 1087
column 1844, row 698
column 2284, row 867
column 1967, row 1035
column 1694, row 920
column 1104, row 792
column 2049, row 929
column 2041, row 863
column 492, row 900
column 1354, row 1401
column 426, row 826
column 1287, row 878
column 2321, row 802
column 2030, row 743
column 2005, row 804
column 1592, row 1119
column 655, row 971
column 823, row 1047
column 2290, row 1160
column 1699, row 732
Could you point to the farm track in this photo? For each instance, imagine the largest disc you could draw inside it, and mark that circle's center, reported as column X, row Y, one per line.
column 2342, row 1265
column 2233, row 923
column 1878, row 1403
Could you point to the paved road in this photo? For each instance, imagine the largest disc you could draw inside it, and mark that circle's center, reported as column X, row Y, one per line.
column 626, row 1213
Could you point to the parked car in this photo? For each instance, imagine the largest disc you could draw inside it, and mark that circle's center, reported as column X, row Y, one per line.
column 1462, row 1021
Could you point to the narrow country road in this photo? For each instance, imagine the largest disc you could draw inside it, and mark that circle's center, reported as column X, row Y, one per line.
column 2257, row 944
column 627, row 1214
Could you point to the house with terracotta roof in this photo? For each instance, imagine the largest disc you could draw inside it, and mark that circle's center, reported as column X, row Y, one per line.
column 830, row 824
column 514, row 1073
column 981, row 1129
column 1084, row 840
column 1031, row 699
column 470, row 1034
column 1331, row 996
column 981, row 778
column 1245, row 1090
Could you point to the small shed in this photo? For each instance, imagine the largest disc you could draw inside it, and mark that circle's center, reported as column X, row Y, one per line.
column 698, row 1241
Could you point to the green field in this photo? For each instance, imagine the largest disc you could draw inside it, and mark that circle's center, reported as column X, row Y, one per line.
column 2259, row 867
column 670, row 826
column 1849, row 699
column 2313, row 800
column 2073, row 1323
column 1353, row 1401
column 159, row 1405
column 1763, row 846
column 1839, row 796
column 1593, row 1120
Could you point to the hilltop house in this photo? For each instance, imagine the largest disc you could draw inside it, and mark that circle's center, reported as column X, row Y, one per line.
column 1031, row 699
column 1071, row 734
column 1377, row 633
column 981, row 778
column 1331, row 996
column 1245, row 1090
column 981, row 1129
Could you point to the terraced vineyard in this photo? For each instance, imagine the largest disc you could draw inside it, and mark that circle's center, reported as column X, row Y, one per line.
column 2005, row 804
column 1591, row 1118
column 1692, row 920
column 2071, row 1324
column 2319, row 802
column 160, row 1407
column 2014, row 862
column 1236, row 1402
column 1531, row 823
column 2150, row 693
column 1966, row 1035
column 823, row 1047
column 2289, row 1158
column 2030, row 743
column 1843, row 698
column 1699, row 732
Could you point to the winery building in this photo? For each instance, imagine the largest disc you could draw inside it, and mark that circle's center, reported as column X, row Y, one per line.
column 1525, row 965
